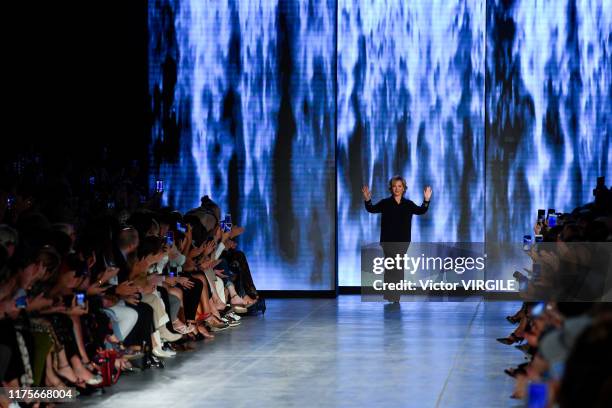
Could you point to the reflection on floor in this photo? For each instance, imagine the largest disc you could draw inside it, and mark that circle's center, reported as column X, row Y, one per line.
column 339, row 352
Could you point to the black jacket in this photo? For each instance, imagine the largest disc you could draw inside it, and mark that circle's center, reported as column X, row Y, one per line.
column 396, row 220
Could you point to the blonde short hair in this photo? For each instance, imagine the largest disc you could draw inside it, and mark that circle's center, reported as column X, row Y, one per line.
column 394, row 179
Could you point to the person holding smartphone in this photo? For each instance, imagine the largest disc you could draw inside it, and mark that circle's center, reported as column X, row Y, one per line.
column 396, row 224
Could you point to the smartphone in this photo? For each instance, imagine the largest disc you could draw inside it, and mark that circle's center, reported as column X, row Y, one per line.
column 541, row 213
column 10, row 202
column 539, row 238
column 92, row 181
column 170, row 238
column 159, row 186
column 526, row 242
column 538, row 309
column 21, row 302
column 537, row 395
column 80, row 299
column 171, row 274
column 180, row 227
column 552, row 220
column 110, row 205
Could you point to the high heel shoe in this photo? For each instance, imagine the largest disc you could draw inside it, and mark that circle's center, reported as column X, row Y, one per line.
column 152, row 362
column 513, row 319
column 510, row 339
column 94, row 380
column 65, row 375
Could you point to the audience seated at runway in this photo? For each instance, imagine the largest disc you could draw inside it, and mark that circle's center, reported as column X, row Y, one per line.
column 567, row 343
column 96, row 272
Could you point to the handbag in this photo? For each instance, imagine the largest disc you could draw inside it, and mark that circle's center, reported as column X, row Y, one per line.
column 106, row 362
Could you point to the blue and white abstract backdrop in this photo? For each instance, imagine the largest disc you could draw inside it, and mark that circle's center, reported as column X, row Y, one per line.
column 243, row 110
column 269, row 106
column 410, row 102
column 549, row 109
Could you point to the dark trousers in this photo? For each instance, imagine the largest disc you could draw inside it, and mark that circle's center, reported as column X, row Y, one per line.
column 244, row 281
column 394, row 275
column 191, row 298
column 141, row 333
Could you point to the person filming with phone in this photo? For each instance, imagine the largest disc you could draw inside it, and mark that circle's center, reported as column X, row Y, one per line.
column 396, row 224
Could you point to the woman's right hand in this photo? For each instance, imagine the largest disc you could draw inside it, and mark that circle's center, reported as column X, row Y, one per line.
column 367, row 196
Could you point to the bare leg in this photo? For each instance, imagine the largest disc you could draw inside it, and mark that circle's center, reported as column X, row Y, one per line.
column 78, row 335
column 64, row 369
column 235, row 299
column 204, row 297
column 79, row 369
column 51, row 379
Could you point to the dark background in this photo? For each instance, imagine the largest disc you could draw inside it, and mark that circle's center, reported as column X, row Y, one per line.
column 77, row 81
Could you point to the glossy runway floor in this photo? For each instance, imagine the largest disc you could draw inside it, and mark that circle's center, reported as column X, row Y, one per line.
column 339, row 352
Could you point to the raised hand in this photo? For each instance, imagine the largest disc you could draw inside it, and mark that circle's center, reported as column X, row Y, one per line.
column 236, row 230
column 126, row 288
column 108, row 273
column 196, row 251
column 367, row 195
column 427, row 193
column 209, row 247
column 185, row 282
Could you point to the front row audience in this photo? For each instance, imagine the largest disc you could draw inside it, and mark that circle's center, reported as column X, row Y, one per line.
column 567, row 341
column 145, row 288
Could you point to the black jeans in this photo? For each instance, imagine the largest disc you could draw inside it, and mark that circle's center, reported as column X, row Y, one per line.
column 141, row 332
column 394, row 275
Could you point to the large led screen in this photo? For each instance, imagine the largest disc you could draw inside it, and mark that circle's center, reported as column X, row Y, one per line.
column 243, row 105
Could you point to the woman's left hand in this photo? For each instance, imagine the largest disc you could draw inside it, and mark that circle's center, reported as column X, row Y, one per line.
column 427, row 193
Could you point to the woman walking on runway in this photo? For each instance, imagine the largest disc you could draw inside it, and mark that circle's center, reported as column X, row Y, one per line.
column 395, row 226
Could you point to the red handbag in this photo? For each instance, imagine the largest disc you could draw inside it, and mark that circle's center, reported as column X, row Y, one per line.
column 106, row 362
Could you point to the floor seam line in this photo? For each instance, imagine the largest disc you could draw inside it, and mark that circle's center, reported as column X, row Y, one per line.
column 457, row 354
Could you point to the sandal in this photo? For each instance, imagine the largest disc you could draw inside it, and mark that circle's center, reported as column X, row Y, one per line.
column 63, row 376
column 181, row 327
column 241, row 303
column 91, row 366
